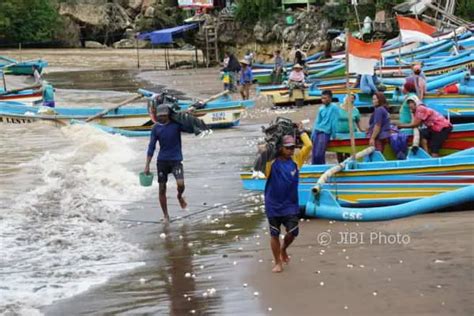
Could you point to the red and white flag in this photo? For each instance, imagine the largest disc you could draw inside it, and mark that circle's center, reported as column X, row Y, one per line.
column 413, row 30
column 363, row 56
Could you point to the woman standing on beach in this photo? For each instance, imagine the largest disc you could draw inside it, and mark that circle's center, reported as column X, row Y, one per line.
column 379, row 123
column 343, row 120
column 233, row 68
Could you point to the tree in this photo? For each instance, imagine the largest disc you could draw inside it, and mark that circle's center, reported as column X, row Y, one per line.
column 254, row 10
column 465, row 9
column 27, row 20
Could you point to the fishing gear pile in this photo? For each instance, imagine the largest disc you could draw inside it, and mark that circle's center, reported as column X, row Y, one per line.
column 273, row 140
column 188, row 122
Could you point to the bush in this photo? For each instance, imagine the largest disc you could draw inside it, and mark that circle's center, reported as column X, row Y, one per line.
column 253, row 10
column 27, row 20
column 465, row 9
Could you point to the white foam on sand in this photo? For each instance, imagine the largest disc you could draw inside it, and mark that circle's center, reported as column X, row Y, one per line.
column 60, row 237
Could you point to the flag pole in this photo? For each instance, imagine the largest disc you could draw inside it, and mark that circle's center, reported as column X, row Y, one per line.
column 359, row 26
column 349, row 104
column 399, row 49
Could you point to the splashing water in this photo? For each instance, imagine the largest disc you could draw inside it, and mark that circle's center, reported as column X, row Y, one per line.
column 58, row 234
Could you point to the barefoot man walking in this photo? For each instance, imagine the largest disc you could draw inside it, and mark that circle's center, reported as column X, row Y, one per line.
column 168, row 134
column 281, row 195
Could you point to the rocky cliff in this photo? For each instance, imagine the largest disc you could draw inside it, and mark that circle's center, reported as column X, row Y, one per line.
column 108, row 22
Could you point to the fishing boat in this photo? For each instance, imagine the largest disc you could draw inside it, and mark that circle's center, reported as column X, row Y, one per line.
column 125, row 117
column 438, row 57
column 29, row 96
column 215, row 115
column 381, row 183
column 460, row 138
column 14, row 67
column 280, row 96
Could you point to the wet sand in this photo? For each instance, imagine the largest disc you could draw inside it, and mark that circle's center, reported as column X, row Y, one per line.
column 427, row 273
column 431, row 274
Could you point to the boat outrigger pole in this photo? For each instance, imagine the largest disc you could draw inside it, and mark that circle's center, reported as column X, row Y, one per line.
column 349, row 99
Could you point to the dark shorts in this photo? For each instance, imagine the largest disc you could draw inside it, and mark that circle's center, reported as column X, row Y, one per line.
column 50, row 104
column 435, row 139
column 290, row 222
column 166, row 167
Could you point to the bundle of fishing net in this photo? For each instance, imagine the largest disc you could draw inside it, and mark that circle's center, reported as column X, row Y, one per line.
column 188, row 122
column 268, row 149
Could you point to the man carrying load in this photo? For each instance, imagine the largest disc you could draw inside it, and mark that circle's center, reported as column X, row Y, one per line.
column 168, row 134
column 281, row 195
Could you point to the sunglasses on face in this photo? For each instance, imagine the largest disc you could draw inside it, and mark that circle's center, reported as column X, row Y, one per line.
column 289, row 147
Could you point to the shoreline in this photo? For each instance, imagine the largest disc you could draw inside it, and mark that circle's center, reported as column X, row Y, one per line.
column 431, row 275
column 106, row 59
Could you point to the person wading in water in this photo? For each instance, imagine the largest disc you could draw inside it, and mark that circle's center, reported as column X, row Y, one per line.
column 170, row 157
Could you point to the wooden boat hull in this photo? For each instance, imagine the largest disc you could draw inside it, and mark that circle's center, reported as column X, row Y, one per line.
column 29, row 96
column 130, row 122
column 14, row 67
column 462, row 137
column 281, row 96
column 129, row 118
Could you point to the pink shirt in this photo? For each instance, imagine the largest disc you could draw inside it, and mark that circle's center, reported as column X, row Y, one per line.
column 432, row 119
column 296, row 76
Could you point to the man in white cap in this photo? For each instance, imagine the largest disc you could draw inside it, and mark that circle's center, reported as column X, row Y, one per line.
column 245, row 80
column 281, row 195
column 168, row 134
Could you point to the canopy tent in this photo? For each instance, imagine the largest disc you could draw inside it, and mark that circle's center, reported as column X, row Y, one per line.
column 166, row 36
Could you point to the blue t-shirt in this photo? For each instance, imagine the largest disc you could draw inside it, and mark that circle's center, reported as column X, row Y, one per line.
column 48, row 93
column 281, row 189
column 169, row 137
column 326, row 119
column 382, row 117
column 246, row 75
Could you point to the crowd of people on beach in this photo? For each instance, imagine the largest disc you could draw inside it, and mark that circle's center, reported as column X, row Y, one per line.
column 236, row 72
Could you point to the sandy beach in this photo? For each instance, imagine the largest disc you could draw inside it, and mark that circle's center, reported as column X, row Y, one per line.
column 218, row 262
column 427, row 272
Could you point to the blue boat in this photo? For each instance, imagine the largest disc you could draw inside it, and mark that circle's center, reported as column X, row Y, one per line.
column 215, row 115
column 14, row 67
column 360, row 188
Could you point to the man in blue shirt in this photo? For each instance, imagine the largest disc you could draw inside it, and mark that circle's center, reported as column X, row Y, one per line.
column 281, row 196
column 245, row 80
column 325, row 127
column 47, row 91
column 168, row 134
column 278, row 68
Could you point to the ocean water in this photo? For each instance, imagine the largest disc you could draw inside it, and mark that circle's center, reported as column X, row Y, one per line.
column 59, row 212
column 71, row 213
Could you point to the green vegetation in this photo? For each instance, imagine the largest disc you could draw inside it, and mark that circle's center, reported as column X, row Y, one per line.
column 387, row 4
column 27, row 20
column 253, row 10
column 465, row 9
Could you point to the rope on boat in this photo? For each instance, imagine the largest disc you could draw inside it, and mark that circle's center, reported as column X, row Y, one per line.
column 332, row 171
column 416, row 137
